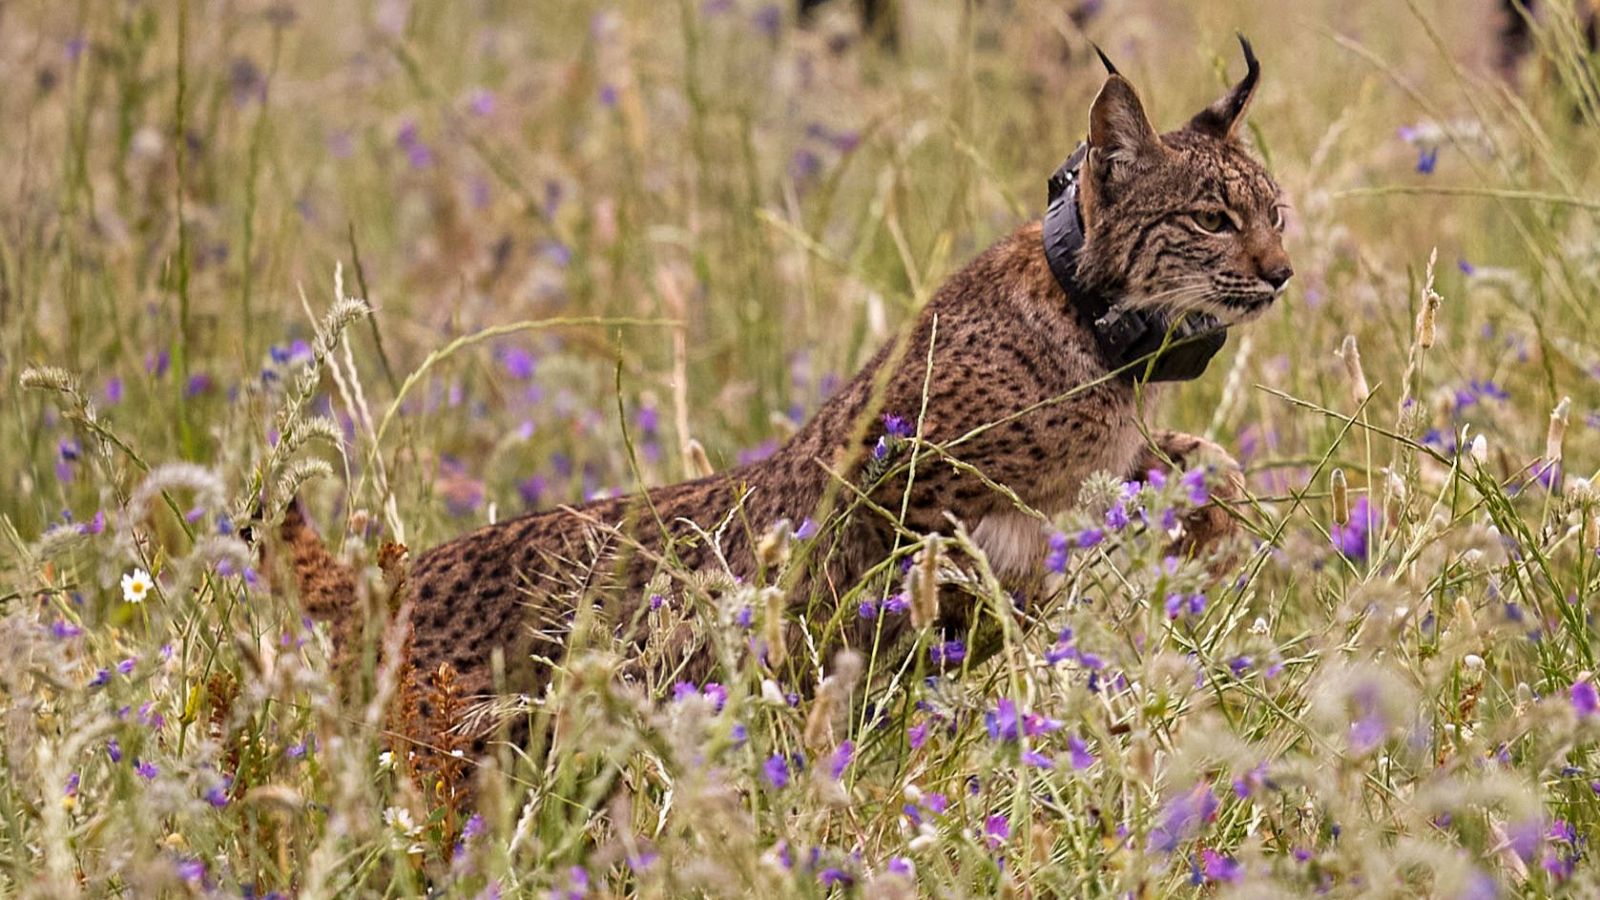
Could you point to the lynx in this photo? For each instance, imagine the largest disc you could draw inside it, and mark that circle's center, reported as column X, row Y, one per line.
column 1020, row 378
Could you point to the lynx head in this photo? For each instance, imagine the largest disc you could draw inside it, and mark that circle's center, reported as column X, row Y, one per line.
column 1186, row 220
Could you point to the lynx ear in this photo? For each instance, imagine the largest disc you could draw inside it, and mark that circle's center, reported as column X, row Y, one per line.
column 1221, row 119
column 1119, row 132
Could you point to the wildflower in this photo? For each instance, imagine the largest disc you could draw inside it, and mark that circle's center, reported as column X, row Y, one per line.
column 1056, row 559
column 1427, row 160
column 1090, row 537
column 1117, row 516
column 841, row 759
column 126, row 666
column 1037, row 760
column 518, row 362
column 1194, row 481
column 114, row 750
column 997, row 829
column 217, row 794
column 1584, row 700
column 1220, row 868
column 192, row 871
column 145, row 769
column 949, row 653
column 917, row 734
column 835, row 877
column 776, row 771
column 135, row 586
column 101, row 677
column 1081, row 757
column 61, row 630
column 896, row 427
column 1182, row 818
column 899, row 865
column 807, row 530
column 481, row 102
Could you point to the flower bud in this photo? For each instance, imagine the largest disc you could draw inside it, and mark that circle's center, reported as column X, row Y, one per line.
column 1341, row 498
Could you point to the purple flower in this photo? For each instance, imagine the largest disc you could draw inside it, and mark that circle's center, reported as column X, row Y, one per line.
column 145, row 769
column 918, row 734
column 1037, row 760
column 997, row 829
column 717, row 694
column 1117, row 517
column 1090, row 537
column 1525, row 838
column 1194, row 481
column 1081, row 757
column 895, row 605
column 608, row 95
column 217, row 794
column 126, row 666
column 1220, row 868
column 949, row 653
column 101, row 677
column 61, row 630
column 776, row 771
column 192, row 870
column 73, row 781
column 1427, row 159
column 1183, row 817
column 841, row 759
column 835, row 877
column 1056, row 560
column 807, row 530
column 518, row 362
column 1584, row 700
column 481, row 102
column 899, row 865
column 896, row 426
column 1250, row 782
column 868, row 609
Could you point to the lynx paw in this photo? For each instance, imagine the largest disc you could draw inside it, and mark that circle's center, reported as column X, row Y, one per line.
column 1212, row 523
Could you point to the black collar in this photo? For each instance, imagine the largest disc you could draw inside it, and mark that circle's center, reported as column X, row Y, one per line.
column 1135, row 341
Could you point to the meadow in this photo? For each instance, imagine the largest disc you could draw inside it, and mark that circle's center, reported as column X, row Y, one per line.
column 428, row 265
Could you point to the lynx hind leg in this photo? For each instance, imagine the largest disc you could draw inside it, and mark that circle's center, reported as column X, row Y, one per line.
column 1212, row 523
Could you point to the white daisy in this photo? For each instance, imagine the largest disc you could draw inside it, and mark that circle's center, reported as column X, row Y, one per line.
column 135, row 585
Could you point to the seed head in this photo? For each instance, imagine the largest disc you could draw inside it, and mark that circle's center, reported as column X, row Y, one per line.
column 1351, row 354
column 699, row 464
column 1558, row 430
column 1341, row 498
column 922, row 583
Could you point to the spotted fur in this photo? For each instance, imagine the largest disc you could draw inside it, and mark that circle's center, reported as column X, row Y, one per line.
column 1005, row 345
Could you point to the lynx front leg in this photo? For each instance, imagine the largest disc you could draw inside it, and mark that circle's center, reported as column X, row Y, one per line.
column 1211, row 523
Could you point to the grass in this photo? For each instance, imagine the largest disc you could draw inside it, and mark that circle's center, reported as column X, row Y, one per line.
column 582, row 234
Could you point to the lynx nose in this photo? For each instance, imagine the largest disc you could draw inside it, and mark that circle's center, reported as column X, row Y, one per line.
column 1278, row 277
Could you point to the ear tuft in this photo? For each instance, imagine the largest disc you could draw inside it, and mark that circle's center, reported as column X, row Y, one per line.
column 1104, row 60
column 1221, row 119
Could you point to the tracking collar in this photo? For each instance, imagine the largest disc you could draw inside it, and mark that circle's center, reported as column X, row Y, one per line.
column 1135, row 341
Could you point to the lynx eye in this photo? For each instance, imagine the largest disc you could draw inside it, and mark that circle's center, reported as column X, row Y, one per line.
column 1213, row 222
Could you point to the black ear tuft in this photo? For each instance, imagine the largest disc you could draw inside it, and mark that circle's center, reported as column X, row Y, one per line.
column 1221, row 119
column 1104, row 60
